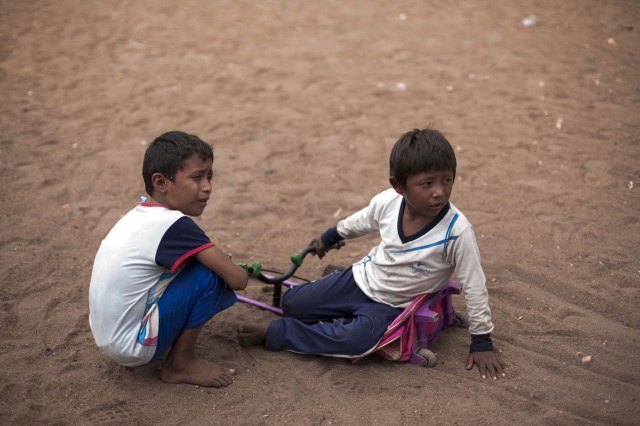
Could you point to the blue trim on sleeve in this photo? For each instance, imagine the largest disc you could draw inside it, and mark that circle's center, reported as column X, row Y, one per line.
column 447, row 235
column 182, row 237
column 364, row 261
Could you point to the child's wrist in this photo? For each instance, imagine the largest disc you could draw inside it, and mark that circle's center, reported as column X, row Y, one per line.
column 481, row 343
column 330, row 237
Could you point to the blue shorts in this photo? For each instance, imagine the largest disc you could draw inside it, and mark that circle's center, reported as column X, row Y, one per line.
column 192, row 299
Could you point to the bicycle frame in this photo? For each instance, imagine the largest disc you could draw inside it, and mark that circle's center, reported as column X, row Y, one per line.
column 279, row 281
column 275, row 304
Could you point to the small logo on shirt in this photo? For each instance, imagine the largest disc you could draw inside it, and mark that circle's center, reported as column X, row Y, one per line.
column 420, row 268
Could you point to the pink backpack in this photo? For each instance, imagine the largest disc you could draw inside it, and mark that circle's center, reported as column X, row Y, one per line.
column 409, row 335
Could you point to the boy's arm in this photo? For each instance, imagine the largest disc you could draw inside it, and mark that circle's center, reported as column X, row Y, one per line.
column 332, row 236
column 329, row 238
column 360, row 223
column 219, row 262
column 466, row 260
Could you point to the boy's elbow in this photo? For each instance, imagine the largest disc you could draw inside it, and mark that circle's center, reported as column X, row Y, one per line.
column 240, row 283
column 244, row 282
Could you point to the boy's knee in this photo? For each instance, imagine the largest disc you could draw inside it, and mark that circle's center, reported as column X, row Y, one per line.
column 360, row 334
column 290, row 306
column 202, row 279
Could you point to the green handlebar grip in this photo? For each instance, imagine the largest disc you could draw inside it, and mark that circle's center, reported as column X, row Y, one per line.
column 255, row 269
column 297, row 259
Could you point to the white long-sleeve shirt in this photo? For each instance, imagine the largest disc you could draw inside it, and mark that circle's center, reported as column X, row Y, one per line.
column 395, row 271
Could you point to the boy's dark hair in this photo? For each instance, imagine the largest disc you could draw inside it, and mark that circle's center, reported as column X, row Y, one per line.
column 167, row 154
column 420, row 151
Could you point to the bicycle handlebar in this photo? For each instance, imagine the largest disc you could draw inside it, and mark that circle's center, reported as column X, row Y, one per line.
column 255, row 270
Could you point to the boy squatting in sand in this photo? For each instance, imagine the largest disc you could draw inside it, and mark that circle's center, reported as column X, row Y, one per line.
column 424, row 240
column 157, row 278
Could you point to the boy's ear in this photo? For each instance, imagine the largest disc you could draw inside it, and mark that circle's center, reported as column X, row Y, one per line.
column 396, row 185
column 159, row 182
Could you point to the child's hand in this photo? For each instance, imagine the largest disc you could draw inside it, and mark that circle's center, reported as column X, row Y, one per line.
column 488, row 363
column 321, row 250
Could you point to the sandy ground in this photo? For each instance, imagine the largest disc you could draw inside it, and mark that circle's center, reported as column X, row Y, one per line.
column 302, row 102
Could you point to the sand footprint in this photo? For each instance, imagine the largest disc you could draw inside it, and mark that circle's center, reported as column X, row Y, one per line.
column 110, row 414
column 596, row 174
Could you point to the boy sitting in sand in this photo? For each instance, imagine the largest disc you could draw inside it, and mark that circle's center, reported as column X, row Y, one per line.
column 157, row 278
column 424, row 240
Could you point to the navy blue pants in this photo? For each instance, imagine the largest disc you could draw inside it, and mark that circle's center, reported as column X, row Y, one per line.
column 331, row 316
column 192, row 299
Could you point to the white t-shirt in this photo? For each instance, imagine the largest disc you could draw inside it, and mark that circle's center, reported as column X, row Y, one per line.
column 396, row 271
column 135, row 263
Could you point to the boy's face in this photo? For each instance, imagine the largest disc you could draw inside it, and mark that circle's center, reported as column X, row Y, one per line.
column 426, row 193
column 190, row 188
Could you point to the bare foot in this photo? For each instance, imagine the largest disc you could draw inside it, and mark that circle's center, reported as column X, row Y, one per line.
column 197, row 371
column 252, row 334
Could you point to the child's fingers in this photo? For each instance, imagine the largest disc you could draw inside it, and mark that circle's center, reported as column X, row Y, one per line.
column 482, row 367
column 491, row 370
column 469, row 365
